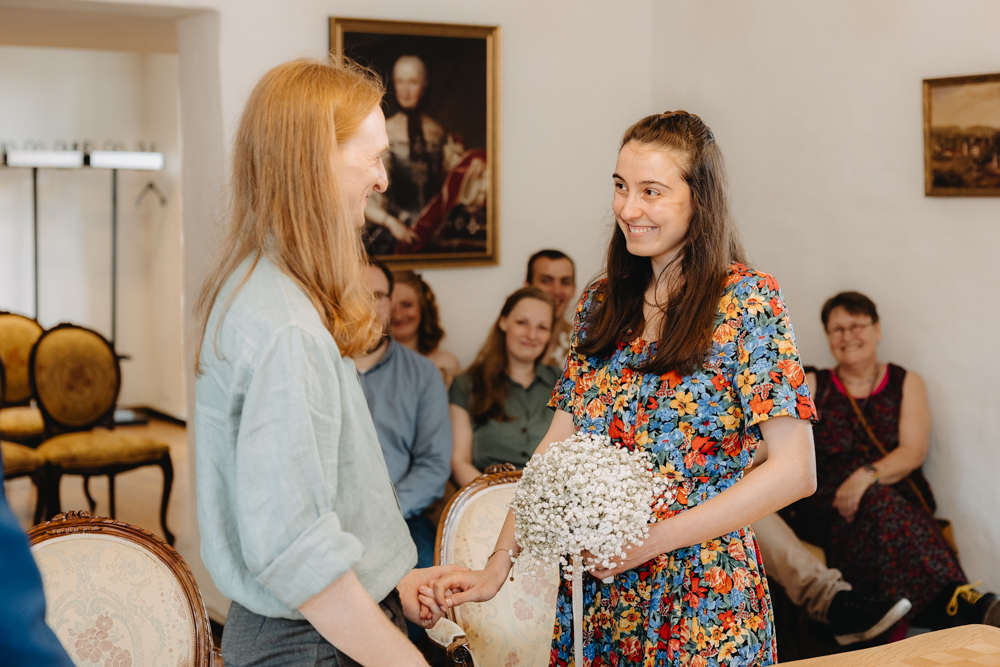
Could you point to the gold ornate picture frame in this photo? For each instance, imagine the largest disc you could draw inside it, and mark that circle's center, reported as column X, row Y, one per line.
column 962, row 136
column 442, row 109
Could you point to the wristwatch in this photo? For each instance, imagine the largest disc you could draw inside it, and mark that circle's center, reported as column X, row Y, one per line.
column 873, row 471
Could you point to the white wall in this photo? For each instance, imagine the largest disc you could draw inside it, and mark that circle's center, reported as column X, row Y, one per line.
column 72, row 94
column 574, row 75
column 817, row 107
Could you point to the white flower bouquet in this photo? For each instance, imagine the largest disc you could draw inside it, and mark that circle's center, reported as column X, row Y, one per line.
column 583, row 494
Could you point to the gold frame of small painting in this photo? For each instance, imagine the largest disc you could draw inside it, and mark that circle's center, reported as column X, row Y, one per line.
column 962, row 136
column 442, row 108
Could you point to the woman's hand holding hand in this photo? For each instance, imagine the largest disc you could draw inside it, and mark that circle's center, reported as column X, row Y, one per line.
column 849, row 494
column 417, row 609
column 458, row 588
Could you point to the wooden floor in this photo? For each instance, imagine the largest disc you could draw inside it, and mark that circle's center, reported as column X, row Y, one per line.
column 137, row 501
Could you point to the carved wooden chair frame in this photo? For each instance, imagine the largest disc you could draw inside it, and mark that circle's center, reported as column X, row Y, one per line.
column 206, row 654
column 502, row 473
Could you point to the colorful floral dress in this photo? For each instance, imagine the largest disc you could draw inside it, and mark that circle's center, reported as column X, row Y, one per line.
column 707, row 604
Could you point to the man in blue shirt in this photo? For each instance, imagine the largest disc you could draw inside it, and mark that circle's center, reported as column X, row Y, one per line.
column 409, row 405
column 25, row 639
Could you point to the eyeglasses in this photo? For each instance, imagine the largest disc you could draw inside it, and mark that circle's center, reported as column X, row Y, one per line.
column 854, row 330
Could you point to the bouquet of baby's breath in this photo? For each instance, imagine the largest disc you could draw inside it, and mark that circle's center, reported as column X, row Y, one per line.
column 583, row 494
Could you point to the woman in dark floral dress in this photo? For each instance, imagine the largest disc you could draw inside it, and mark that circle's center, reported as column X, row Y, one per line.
column 684, row 352
column 867, row 516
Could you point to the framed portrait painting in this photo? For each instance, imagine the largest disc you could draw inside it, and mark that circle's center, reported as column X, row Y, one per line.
column 962, row 136
column 442, row 116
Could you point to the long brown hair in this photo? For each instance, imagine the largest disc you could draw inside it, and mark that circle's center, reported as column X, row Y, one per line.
column 488, row 371
column 429, row 331
column 285, row 203
column 711, row 244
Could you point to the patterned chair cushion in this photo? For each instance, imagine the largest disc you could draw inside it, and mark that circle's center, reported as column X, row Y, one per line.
column 515, row 627
column 21, row 423
column 19, row 460
column 17, row 336
column 76, row 376
column 114, row 604
column 91, row 449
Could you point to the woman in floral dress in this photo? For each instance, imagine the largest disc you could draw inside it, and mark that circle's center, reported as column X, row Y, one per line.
column 685, row 352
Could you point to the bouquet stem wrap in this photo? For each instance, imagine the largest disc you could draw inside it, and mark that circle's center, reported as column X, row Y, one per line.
column 577, row 612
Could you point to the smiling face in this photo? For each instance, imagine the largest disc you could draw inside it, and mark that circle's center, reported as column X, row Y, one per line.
column 358, row 165
column 652, row 202
column 405, row 312
column 557, row 277
column 853, row 338
column 409, row 79
column 528, row 327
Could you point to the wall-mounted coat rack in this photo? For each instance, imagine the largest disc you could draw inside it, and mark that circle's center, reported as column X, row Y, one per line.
column 74, row 159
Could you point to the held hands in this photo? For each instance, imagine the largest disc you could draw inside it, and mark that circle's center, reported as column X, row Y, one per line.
column 460, row 587
column 426, row 614
column 849, row 494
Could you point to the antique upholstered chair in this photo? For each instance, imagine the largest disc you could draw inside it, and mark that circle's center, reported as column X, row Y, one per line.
column 75, row 378
column 19, row 421
column 515, row 627
column 20, row 460
column 118, row 595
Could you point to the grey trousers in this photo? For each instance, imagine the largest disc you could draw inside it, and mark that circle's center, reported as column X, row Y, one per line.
column 252, row 640
column 806, row 580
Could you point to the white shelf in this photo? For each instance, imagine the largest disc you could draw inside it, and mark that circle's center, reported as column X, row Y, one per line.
column 126, row 160
column 48, row 159
column 140, row 160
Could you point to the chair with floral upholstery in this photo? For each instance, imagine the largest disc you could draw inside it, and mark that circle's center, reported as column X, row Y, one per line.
column 19, row 421
column 117, row 595
column 75, row 377
column 21, row 460
column 515, row 627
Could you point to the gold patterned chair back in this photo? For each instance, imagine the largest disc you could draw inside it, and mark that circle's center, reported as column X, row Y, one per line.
column 118, row 595
column 515, row 627
column 76, row 378
column 18, row 335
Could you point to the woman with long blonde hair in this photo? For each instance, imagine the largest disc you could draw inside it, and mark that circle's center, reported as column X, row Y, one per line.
column 299, row 523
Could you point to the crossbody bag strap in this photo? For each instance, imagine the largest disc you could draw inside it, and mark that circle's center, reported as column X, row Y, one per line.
column 878, row 443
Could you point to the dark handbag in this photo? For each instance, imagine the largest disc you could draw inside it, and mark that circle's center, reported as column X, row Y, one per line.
column 944, row 525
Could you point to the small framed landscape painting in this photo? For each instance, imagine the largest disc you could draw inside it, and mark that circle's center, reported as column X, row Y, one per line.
column 442, row 115
column 962, row 136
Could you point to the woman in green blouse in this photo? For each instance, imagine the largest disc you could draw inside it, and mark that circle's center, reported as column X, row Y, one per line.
column 499, row 407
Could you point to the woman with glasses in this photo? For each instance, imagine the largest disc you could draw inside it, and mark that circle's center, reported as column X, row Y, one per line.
column 873, row 509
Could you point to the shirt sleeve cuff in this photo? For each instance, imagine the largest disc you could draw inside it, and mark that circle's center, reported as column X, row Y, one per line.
column 317, row 558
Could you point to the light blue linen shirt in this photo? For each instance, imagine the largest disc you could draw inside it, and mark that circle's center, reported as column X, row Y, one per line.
column 292, row 487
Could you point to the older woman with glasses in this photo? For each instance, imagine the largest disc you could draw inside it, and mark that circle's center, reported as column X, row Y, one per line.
column 873, row 508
